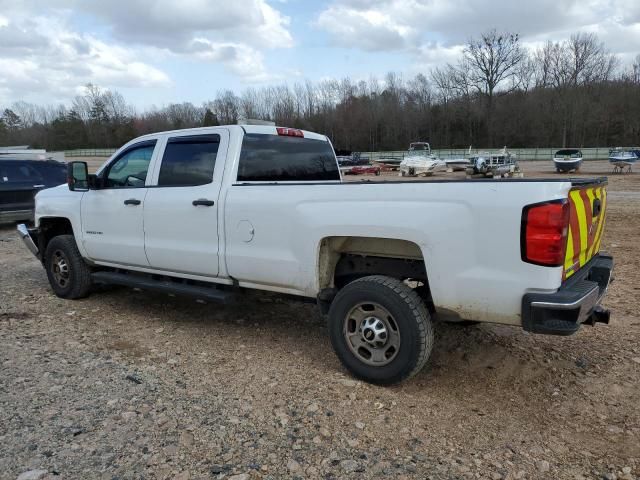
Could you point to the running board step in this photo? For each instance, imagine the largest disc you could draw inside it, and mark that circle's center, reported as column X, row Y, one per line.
column 147, row 283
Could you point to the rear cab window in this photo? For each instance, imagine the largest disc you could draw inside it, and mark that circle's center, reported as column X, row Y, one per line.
column 286, row 158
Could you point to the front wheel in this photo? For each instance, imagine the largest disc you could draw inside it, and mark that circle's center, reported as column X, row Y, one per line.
column 380, row 329
column 68, row 274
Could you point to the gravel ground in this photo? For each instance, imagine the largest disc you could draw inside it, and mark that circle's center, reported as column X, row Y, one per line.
column 126, row 384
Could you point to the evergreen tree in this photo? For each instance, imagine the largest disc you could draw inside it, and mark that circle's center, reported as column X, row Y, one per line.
column 210, row 119
column 11, row 120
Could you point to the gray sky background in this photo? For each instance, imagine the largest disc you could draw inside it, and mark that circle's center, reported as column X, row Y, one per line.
column 161, row 51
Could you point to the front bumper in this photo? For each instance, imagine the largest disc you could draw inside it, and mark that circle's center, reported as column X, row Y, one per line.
column 28, row 235
column 576, row 302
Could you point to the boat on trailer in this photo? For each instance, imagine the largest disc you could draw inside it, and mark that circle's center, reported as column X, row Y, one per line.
column 420, row 161
column 457, row 162
column 494, row 165
column 567, row 160
column 623, row 159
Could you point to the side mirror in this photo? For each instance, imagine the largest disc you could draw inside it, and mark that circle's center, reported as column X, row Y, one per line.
column 78, row 176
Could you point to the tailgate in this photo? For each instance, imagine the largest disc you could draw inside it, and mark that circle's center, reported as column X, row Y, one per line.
column 587, row 202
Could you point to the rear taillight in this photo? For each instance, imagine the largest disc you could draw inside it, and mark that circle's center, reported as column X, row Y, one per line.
column 289, row 132
column 543, row 238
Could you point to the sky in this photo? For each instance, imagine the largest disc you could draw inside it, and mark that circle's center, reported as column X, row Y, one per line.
column 157, row 52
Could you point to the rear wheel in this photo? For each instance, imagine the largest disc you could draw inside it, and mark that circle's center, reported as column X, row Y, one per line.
column 68, row 274
column 380, row 329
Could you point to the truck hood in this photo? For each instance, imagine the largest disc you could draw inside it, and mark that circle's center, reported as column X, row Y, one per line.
column 54, row 192
column 57, row 201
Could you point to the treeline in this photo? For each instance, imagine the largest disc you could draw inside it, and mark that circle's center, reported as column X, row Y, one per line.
column 570, row 93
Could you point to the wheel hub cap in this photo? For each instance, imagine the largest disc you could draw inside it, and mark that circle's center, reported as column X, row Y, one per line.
column 372, row 334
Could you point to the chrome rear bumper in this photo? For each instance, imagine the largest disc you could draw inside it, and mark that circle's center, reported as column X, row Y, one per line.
column 25, row 234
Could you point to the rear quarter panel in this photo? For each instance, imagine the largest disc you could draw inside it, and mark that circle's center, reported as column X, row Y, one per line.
column 468, row 232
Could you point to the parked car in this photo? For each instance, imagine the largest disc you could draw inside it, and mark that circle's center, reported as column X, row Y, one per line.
column 213, row 211
column 20, row 180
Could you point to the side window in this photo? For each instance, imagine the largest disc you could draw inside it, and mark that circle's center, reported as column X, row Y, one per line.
column 189, row 161
column 275, row 158
column 130, row 169
column 18, row 173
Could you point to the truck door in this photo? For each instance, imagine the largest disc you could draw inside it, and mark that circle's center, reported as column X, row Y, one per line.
column 181, row 210
column 112, row 229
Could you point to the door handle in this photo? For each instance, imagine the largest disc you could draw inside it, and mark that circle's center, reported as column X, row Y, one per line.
column 132, row 201
column 204, row 202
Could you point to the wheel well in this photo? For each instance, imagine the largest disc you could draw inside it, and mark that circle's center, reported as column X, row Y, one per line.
column 52, row 227
column 345, row 259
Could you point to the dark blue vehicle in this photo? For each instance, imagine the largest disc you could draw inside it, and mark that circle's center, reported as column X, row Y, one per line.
column 20, row 180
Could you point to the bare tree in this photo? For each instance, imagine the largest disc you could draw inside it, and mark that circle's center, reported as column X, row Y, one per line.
column 569, row 68
column 445, row 81
column 635, row 70
column 578, row 61
column 184, row 115
column 116, row 106
column 492, row 60
column 226, row 107
column 589, row 60
column 525, row 76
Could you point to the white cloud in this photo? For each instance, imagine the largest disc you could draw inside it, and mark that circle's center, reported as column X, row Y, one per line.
column 233, row 33
column 434, row 54
column 244, row 61
column 173, row 24
column 418, row 25
column 45, row 38
column 366, row 28
column 41, row 55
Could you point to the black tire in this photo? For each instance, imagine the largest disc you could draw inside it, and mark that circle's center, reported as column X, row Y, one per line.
column 68, row 274
column 407, row 312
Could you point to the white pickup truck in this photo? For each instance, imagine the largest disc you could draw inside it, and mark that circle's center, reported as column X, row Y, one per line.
column 211, row 212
